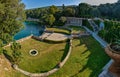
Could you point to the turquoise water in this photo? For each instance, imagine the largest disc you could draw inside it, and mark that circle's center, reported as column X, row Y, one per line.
column 29, row 28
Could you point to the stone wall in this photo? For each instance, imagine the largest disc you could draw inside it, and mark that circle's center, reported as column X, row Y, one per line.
column 19, row 41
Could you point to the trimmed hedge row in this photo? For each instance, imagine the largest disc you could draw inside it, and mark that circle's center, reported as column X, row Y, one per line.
column 59, row 30
column 53, row 41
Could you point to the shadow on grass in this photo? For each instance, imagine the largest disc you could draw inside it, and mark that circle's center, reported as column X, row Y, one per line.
column 62, row 50
column 84, row 51
column 80, row 43
column 7, row 56
column 96, row 60
column 65, row 51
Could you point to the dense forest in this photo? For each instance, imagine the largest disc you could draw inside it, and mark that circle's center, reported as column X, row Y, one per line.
column 54, row 15
column 110, row 11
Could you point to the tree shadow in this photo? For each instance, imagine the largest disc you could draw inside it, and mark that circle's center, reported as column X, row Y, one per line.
column 7, row 56
column 96, row 59
column 65, row 51
column 80, row 43
column 62, row 50
column 85, row 51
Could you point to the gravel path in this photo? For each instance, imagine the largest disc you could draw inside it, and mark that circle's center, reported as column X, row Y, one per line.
column 55, row 36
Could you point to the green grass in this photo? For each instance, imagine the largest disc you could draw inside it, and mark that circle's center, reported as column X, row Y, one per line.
column 86, row 60
column 58, row 30
column 49, row 55
column 76, row 29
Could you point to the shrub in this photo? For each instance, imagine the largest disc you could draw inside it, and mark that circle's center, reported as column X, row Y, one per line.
column 53, row 41
column 87, row 24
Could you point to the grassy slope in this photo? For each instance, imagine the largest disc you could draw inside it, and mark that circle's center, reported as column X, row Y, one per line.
column 49, row 55
column 87, row 59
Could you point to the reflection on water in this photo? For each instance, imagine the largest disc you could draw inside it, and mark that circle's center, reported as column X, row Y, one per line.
column 29, row 28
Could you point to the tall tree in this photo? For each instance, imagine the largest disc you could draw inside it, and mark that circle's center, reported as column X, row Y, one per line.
column 63, row 7
column 48, row 20
column 69, row 11
column 84, row 10
column 16, row 54
column 12, row 15
column 53, row 9
column 95, row 12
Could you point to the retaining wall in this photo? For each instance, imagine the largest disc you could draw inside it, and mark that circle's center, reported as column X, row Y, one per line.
column 19, row 41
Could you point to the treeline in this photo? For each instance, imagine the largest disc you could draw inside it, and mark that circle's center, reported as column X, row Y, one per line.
column 52, row 15
column 61, row 10
column 110, row 11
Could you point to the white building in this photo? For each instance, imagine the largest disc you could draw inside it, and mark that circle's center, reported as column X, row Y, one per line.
column 74, row 21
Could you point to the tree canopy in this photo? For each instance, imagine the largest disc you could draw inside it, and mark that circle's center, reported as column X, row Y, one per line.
column 12, row 15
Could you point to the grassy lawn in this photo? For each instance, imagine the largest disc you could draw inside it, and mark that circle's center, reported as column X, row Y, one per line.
column 87, row 59
column 48, row 55
column 58, row 30
column 76, row 29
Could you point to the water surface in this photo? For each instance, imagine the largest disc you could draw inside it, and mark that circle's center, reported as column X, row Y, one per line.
column 29, row 28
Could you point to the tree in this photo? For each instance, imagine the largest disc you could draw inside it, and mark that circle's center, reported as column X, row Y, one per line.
column 48, row 19
column 84, row 10
column 12, row 15
column 69, row 11
column 95, row 12
column 5, row 36
column 16, row 54
column 63, row 19
column 63, row 7
column 53, row 9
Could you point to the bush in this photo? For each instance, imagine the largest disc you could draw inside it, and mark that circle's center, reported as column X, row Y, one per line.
column 59, row 30
column 87, row 24
column 112, row 29
column 97, row 22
